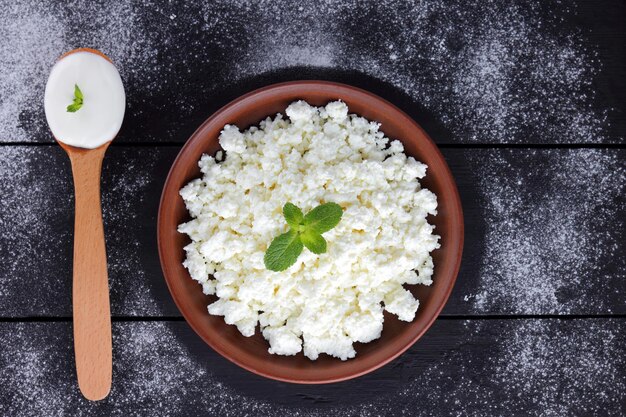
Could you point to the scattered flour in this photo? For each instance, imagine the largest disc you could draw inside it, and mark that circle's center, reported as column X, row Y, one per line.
column 32, row 362
column 546, row 368
column 32, row 242
column 30, row 42
column 489, row 71
column 36, row 209
column 554, row 230
column 119, row 30
column 127, row 175
column 152, row 373
column 563, row 368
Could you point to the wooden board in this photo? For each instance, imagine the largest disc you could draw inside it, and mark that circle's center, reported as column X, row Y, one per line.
column 562, row 64
column 527, row 103
column 476, row 367
column 37, row 256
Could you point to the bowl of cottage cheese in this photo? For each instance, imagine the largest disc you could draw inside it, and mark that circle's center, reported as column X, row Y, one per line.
column 310, row 231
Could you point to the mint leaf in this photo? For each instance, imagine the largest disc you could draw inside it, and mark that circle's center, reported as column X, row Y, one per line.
column 323, row 217
column 283, row 251
column 313, row 241
column 78, row 100
column 305, row 231
column 77, row 93
column 73, row 108
column 293, row 215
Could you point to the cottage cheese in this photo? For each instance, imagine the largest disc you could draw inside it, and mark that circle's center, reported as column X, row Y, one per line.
column 323, row 303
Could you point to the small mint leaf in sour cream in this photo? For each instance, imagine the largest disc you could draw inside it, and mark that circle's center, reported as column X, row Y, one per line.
column 78, row 100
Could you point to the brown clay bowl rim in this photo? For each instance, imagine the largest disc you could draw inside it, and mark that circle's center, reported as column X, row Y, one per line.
column 454, row 207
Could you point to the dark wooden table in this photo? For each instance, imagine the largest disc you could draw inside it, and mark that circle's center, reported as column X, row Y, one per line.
column 525, row 99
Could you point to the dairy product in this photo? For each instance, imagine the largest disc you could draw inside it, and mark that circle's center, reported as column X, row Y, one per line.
column 100, row 117
column 323, row 303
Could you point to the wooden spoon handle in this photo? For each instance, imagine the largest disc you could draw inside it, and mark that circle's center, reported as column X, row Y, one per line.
column 92, row 314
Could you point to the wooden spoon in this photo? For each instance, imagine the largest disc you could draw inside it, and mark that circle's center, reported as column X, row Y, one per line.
column 90, row 292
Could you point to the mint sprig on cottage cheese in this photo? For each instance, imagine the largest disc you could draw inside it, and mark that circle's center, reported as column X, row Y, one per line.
column 305, row 231
column 322, row 303
column 284, row 251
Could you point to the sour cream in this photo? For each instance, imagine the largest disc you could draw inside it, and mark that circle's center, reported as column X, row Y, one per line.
column 104, row 102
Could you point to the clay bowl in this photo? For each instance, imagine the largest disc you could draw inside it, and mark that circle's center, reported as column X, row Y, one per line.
column 251, row 353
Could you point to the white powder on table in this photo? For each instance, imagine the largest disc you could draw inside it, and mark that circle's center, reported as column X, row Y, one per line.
column 539, row 367
column 489, row 71
column 545, row 368
column 554, row 230
column 127, row 180
column 30, row 242
column 563, row 368
column 36, row 212
column 30, row 42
